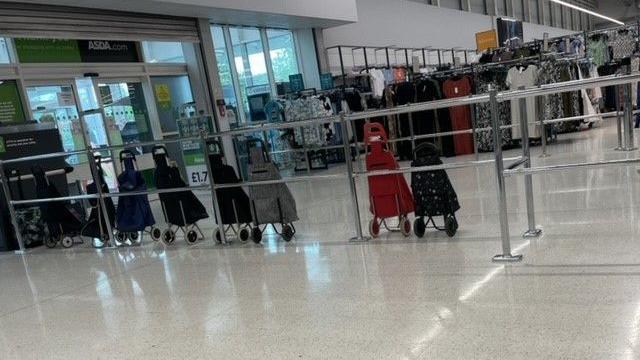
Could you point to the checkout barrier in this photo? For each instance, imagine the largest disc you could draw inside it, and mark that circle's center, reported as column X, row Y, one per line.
column 351, row 174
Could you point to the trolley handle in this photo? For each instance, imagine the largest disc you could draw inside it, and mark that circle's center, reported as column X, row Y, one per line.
column 252, row 142
column 373, row 130
column 426, row 147
column 127, row 154
column 154, row 150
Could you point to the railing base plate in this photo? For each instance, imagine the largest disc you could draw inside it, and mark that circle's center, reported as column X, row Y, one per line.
column 361, row 239
column 507, row 258
column 532, row 233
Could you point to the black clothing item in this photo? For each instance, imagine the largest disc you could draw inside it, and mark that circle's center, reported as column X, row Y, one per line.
column 609, row 91
column 433, row 121
column 405, row 94
column 354, row 100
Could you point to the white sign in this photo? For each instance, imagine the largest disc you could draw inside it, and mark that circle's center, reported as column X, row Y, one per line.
column 197, row 175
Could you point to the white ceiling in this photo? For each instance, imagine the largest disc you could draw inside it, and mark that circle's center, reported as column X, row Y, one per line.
column 272, row 13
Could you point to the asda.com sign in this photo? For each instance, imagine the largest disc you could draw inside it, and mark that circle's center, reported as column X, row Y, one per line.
column 106, row 45
column 75, row 51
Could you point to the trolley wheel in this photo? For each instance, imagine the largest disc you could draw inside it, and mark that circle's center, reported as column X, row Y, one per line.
column 287, row 232
column 450, row 225
column 121, row 237
column 156, row 234
column 256, row 235
column 169, row 236
column 67, row 242
column 51, row 242
column 192, row 237
column 374, row 228
column 244, row 234
column 405, row 226
column 135, row 237
column 217, row 235
column 419, row 227
column 99, row 243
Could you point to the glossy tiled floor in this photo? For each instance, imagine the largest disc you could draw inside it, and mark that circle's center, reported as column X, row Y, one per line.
column 576, row 295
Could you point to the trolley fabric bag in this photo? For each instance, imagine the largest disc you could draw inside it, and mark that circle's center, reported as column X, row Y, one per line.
column 273, row 203
column 134, row 212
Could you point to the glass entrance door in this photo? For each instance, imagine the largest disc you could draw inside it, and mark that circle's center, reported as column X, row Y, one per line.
column 63, row 104
column 57, row 104
column 125, row 109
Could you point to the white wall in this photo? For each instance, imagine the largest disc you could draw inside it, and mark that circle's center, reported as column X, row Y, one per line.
column 412, row 24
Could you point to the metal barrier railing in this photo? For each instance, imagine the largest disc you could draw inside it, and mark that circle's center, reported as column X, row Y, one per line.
column 528, row 171
column 350, row 174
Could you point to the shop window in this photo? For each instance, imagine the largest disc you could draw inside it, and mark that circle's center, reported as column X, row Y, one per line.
column 163, row 52
column 225, row 73
column 450, row 4
column 173, row 97
column 534, row 10
column 282, row 52
column 518, row 9
column 501, row 7
column 479, row 6
column 4, row 51
column 251, row 67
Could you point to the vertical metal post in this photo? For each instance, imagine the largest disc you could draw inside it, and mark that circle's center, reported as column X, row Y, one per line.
column 212, row 187
column 306, row 151
column 344, row 75
column 439, row 58
column 628, row 115
column 618, row 119
column 386, row 52
column 474, row 134
column 543, row 127
column 532, row 230
column 412, row 132
column 506, row 255
column 366, row 61
column 12, row 211
column 351, row 180
column 356, row 145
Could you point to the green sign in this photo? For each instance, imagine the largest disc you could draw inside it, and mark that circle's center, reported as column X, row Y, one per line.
column 326, row 81
column 10, row 103
column 296, row 83
column 3, row 148
column 47, row 51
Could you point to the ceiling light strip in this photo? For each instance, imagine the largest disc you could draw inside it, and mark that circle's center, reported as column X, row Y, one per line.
column 587, row 11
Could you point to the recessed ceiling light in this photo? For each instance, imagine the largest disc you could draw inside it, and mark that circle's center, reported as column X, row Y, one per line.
column 588, row 11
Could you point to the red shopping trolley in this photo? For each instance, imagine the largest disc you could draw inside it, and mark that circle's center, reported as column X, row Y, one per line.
column 389, row 195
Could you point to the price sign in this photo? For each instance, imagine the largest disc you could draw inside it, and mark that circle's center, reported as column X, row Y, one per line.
column 198, row 175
